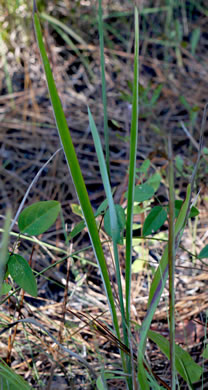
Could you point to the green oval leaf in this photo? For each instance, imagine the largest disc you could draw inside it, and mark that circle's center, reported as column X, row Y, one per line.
column 102, row 208
column 204, row 253
column 22, row 274
column 143, row 192
column 154, row 220
column 144, row 167
column 121, row 222
column 77, row 229
column 38, row 217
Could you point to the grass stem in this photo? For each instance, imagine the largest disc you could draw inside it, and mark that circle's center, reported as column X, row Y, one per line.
column 171, row 263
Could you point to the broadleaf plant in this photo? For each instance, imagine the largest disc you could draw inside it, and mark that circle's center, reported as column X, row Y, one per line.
column 154, row 220
column 39, row 217
column 22, row 274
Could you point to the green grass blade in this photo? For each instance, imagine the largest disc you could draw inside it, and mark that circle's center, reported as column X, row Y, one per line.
column 104, row 96
column 65, row 28
column 10, row 380
column 171, row 263
column 131, row 184
column 113, row 216
column 164, row 260
column 157, row 287
column 132, row 169
column 4, row 246
column 185, row 365
column 5, row 65
column 75, row 170
column 69, row 42
column 183, row 359
column 105, row 179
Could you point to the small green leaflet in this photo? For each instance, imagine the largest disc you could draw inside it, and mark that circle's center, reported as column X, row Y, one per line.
column 144, row 167
column 142, row 192
column 154, row 220
column 204, row 253
column 81, row 225
column 22, row 274
column 77, row 229
column 39, row 217
column 102, row 208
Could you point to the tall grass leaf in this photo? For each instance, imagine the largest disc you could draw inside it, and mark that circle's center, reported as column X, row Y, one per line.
column 121, row 222
column 183, row 359
column 4, row 255
column 193, row 212
column 70, row 43
column 74, row 167
column 171, row 262
column 65, row 28
column 158, row 283
column 132, row 168
column 195, row 39
column 131, row 183
column 104, row 95
column 103, row 169
column 156, row 95
column 10, row 378
column 164, row 259
column 100, row 384
column 114, row 226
